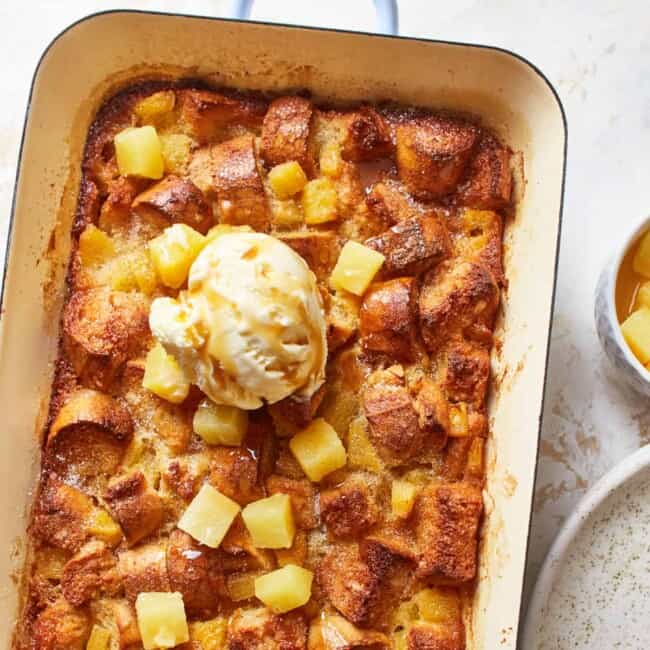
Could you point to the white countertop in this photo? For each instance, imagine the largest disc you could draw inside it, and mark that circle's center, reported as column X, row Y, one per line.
column 597, row 55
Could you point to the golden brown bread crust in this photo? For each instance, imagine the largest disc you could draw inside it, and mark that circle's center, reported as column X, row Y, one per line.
column 403, row 360
column 286, row 133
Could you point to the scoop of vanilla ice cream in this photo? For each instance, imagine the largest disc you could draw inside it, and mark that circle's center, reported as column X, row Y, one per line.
column 250, row 326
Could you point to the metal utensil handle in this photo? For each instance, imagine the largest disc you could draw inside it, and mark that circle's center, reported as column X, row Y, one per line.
column 387, row 14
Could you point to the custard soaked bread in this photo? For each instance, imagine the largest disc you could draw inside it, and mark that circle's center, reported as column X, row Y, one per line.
column 342, row 268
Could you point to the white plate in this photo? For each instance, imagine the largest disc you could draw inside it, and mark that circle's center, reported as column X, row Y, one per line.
column 593, row 591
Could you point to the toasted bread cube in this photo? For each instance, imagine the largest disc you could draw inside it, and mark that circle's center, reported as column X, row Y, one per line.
column 348, row 509
column 318, row 449
column 643, row 296
column 164, row 377
column 176, row 149
column 100, row 639
column 641, row 261
column 173, row 252
column 161, row 620
column 636, row 331
column 209, row 516
column 356, row 267
column 151, row 109
column 286, row 213
column 458, row 423
column 95, row 246
column 319, row 201
column 241, row 586
column 287, row 179
column 218, row 424
column 284, row 589
column 133, row 272
column 104, row 527
column 139, row 152
column 210, row 635
column 402, row 498
column 270, row 521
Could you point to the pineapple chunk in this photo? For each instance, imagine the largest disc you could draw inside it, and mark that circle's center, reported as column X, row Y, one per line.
column 209, row 516
column 100, row 639
column 458, row 427
column 356, row 267
column 318, row 450
column 474, row 467
column 284, row 589
column 95, row 246
column 287, row 179
column 241, row 586
column 438, row 605
column 104, row 527
column 176, row 149
column 161, row 619
column 361, row 452
column 210, row 635
column 133, row 272
column 164, row 377
column 643, row 296
column 319, row 201
column 139, row 152
column 151, row 109
column 331, row 163
column 641, row 261
column 270, row 521
column 220, row 425
column 174, row 251
column 402, row 498
column 636, row 331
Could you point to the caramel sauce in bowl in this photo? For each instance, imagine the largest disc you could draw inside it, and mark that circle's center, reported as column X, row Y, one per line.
column 615, row 300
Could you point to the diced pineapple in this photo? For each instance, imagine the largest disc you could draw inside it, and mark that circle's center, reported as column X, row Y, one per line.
column 285, row 213
column 133, row 272
column 643, row 296
column 176, row 148
column 361, row 452
column 438, row 605
column 641, row 261
column 139, row 152
column 241, row 586
column 356, row 267
column 319, row 201
column 210, row 635
column 161, row 619
column 287, row 179
column 225, row 229
column 331, row 163
column 270, row 522
column 285, row 589
column 95, row 246
column 104, row 527
column 209, row 516
column 164, row 377
column 174, row 251
column 458, row 427
column 151, row 109
column 636, row 331
column 318, row 449
column 402, row 498
column 100, row 639
column 220, row 425
column 474, row 467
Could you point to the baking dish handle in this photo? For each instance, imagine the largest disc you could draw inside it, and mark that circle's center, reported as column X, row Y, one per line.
column 387, row 14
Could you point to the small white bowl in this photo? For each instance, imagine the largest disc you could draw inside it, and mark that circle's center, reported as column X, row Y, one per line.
column 628, row 367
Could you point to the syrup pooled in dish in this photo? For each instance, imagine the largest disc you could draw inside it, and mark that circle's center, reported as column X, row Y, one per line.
column 268, row 419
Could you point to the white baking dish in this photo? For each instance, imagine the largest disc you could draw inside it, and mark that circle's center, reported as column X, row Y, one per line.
column 104, row 51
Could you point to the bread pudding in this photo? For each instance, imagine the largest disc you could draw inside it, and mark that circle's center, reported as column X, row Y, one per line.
column 268, row 418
